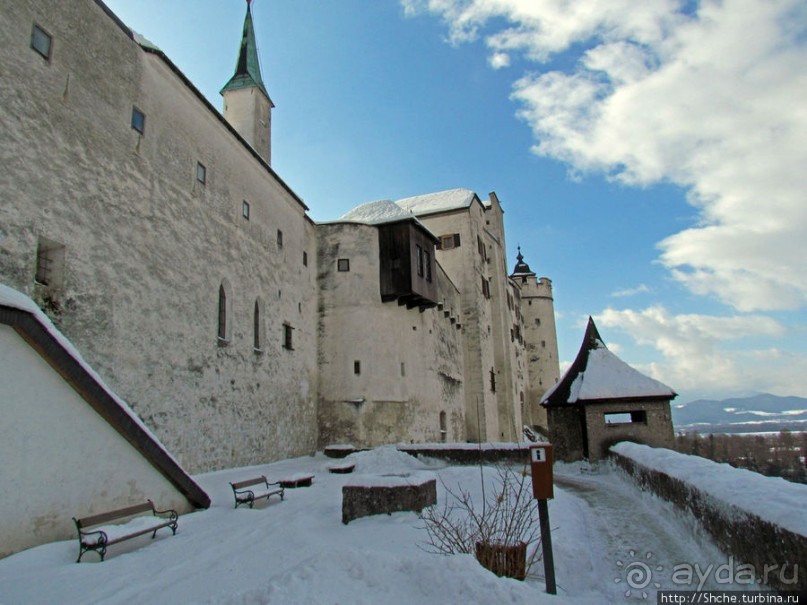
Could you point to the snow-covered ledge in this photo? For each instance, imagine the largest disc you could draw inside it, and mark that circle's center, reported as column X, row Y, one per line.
column 368, row 494
column 759, row 520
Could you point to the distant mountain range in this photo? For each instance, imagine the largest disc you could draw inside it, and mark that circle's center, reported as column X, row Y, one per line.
column 759, row 413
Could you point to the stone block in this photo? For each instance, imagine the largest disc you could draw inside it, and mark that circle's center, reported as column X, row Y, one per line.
column 377, row 494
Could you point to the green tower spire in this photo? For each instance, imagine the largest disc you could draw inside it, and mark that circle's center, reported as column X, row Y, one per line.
column 248, row 69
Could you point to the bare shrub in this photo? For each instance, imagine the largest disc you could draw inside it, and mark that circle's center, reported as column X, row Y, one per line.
column 507, row 518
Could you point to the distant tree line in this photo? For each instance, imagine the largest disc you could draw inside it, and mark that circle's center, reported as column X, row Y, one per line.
column 782, row 454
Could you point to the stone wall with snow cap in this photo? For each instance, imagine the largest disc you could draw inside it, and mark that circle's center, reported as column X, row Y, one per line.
column 759, row 520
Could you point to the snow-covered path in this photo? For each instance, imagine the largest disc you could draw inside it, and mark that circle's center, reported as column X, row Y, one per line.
column 299, row 552
column 638, row 539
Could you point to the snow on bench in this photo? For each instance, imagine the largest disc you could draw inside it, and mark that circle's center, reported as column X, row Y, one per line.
column 342, row 469
column 249, row 490
column 296, row 480
column 104, row 535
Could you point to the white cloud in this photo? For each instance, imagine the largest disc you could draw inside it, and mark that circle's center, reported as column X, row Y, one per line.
column 640, row 289
column 695, row 354
column 499, row 60
column 710, row 100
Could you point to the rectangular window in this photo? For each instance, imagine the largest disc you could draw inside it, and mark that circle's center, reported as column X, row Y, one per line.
column 481, row 247
column 427, row 259
column 447, row 242
column 639, row 417
column 305, row 258
column 485, row 288
column 403, row 369
column 245, row 209
column 50, row 263
column 343, row 264
column 279, row 238
column 41, row 42
column 287, row 337
column 357, row 367
column 201, row 173
column 492, row 380
column 138, row 120
column 419, row 258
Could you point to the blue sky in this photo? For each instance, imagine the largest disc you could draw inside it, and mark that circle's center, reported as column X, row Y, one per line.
column 650, row 156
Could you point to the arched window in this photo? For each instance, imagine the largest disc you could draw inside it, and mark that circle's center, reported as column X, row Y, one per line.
column 222, row 313
column 257, row 326
column 225, row 312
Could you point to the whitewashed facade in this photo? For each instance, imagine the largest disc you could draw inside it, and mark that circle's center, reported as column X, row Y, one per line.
column 153, row 231
column 69, row 446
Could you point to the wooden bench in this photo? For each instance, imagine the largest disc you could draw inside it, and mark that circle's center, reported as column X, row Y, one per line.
column 297, row 480
column 100, row 538
column 246, row 493
column 342, row 469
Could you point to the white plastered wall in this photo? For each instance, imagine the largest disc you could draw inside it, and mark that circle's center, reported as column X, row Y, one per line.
column 60, row 458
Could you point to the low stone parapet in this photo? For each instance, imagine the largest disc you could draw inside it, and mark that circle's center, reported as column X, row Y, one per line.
column 471, row 453
column 757, row 520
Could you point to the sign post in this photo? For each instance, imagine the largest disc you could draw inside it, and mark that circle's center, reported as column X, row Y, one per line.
column 543, row 490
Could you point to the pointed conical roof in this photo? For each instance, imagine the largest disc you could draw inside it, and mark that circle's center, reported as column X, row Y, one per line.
column 247, row 69
column 522, row 269
column 597, row 375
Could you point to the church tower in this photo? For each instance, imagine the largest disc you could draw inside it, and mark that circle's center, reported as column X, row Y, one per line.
column 247, row 106
column 540, row 336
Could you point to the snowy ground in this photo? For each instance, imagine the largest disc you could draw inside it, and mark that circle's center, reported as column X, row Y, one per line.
column 298, row 551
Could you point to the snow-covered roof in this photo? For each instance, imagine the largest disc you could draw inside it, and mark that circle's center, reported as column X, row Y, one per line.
column 381, row 212
column 608, row 377
column 597, row 374
column 377, row 213
column 440, row 201
column 114, row 409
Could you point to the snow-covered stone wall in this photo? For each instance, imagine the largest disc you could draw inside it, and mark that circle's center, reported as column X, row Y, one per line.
column 759, row 520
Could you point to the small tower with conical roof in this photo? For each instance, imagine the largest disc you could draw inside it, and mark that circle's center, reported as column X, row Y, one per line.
column 540, row 337
column 247, row 106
